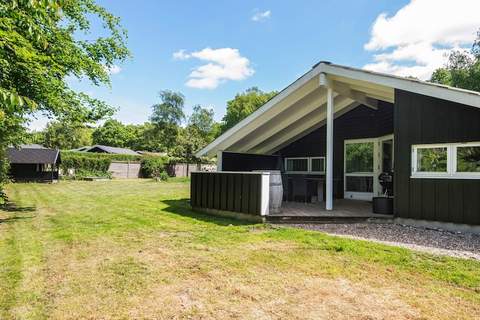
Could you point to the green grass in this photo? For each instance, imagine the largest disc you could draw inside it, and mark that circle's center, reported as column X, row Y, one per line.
column 134, row 249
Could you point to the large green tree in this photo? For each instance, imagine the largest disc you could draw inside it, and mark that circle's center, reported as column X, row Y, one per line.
column 65, row 135
column 41, row 43
column 167, row 116
column 200, row 130
column 114, row 133
column 243, row 105
column 462, row 69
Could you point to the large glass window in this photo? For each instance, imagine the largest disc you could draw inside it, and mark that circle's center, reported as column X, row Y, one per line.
column 468, row 159
column 432, row 159
column 359, row 157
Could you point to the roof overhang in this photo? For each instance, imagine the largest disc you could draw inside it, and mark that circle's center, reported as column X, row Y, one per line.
column 300, row 108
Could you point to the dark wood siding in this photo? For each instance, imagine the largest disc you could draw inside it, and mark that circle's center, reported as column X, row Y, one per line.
column 421, row 120
column 31, row 172
column 236, row 192
column 232, row 161
column 361, row 122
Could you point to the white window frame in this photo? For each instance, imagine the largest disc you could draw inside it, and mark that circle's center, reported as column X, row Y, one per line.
column 451, row 172
column 309, row 165
column 356, row 195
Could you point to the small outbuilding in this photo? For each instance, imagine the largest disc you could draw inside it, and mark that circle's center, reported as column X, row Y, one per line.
column 34, row 162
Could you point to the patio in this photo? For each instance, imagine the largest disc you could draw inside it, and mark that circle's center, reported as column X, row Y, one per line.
column 344, row 211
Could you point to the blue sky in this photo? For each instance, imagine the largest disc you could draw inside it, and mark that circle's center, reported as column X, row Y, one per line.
column 270, row 51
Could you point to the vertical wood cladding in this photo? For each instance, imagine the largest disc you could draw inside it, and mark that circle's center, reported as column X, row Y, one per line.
column 421, row 119
column 361, row 122
column 235, row 192
column 232, row 161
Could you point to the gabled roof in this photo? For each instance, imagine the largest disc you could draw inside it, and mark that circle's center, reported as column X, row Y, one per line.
column 112, row 150
column 301, row 107
column 34, row 155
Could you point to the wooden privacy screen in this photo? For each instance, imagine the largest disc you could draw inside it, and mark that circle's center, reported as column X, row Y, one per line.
column 227, row 191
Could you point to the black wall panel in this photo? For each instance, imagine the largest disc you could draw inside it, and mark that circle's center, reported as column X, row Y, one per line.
column 421, row 119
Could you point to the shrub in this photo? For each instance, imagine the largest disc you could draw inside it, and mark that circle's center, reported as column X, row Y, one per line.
column 153, row 167
column 163, row 176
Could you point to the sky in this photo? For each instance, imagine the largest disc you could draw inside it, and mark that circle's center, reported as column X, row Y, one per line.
column 212, row 50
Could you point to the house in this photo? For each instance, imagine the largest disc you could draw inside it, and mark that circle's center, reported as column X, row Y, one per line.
column 33, row 163
column 107, row 149
column 335, row 130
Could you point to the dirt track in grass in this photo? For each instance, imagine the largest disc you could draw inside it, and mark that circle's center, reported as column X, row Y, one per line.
column 133, row 249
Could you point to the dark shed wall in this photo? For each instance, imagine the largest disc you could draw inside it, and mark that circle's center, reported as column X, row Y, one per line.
column 232, row 161
column 421, row 120
column 361, row 122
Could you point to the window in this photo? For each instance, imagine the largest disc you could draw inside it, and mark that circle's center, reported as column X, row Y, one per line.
column 318, row 164
column 453, row 160
column 307, row 165
column 468, row 159
column 297, row 164
column 432, row 159
column 359, row 157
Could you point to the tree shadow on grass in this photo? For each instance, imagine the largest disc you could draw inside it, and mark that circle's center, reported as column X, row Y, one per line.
column 182, row 207
column 12, row 208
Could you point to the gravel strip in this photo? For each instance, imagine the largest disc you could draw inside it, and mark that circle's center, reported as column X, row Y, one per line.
column 440, row 242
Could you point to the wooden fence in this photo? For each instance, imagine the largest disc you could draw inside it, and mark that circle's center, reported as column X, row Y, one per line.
column 236, row 192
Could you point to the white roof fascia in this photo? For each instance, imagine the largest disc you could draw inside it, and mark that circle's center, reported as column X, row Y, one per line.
column 462, row 96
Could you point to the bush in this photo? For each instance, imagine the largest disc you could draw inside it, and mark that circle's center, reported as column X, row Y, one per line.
column 85, row 165
column 154, row 167
column 163, row 176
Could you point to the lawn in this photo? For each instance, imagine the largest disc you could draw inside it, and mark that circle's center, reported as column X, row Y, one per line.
column 133, row 249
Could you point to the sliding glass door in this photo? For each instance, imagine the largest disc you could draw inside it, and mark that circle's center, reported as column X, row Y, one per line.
column 360, row 168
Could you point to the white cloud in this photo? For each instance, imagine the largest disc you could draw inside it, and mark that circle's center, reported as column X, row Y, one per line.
column 114, row 69
column 223, row 64
column 181, row 55
column 261, row 15
column 416, row 39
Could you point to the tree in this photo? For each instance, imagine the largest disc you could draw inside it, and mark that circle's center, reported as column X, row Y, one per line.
column 114, row 133
column 167, row 117
column 202, row 120
column 43, row 42
column 243, row 105
column 462, row 69
column 170, row 111
column 200, row 131
column 63, row 135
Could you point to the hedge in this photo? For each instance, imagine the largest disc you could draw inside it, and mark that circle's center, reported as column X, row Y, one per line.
column 85, row 165
column 97, row 164
column 112, row 157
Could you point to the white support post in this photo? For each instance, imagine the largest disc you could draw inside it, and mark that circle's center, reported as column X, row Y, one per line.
column 329, row 173
column 219, row 161
column 265, row 194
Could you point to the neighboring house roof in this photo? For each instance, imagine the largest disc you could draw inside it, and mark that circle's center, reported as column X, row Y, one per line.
column 300, row 108
column 33, row 155
column 112, row 150
column 32, row 146
column 81, row 149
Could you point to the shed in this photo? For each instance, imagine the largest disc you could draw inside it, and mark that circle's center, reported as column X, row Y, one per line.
column 33, row 163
